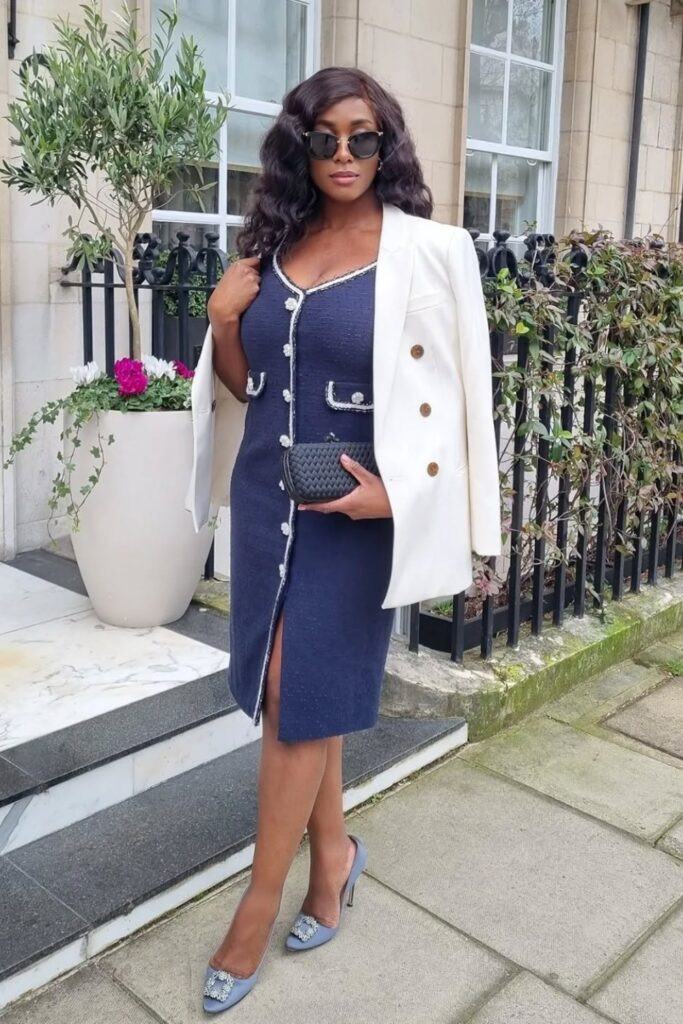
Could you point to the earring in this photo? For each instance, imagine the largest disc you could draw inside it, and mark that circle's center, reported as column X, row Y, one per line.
column 379, row 166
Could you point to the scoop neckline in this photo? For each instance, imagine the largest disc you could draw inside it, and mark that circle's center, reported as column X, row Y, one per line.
column 321, row 284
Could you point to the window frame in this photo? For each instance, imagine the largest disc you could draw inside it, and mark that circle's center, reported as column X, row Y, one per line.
column 241, row 104
column 547, row 159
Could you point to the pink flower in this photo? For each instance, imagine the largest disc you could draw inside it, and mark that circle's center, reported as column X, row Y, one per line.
column 130, row 376
column 182, row 369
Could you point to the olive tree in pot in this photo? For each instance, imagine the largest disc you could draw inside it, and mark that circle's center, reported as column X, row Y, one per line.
column 99, row 101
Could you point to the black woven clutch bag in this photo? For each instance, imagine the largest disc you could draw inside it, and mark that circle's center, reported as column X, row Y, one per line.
column 312, row 471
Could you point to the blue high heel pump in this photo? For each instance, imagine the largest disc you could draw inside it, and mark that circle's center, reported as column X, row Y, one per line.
column 307, row 932
column 223, row 989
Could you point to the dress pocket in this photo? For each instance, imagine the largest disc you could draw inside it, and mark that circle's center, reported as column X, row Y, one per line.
column 348, row 396
column 256, row 382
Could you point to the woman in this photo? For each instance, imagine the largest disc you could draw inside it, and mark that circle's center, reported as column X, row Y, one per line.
column 347, row 311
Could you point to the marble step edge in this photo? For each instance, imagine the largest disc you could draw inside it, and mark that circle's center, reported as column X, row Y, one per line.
column 55, row 808
column 373, row 763
column 58, row 756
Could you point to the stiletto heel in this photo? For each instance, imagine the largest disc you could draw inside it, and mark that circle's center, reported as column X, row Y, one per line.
column 307, row 932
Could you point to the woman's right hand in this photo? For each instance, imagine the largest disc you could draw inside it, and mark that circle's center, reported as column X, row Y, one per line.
column 235, row 291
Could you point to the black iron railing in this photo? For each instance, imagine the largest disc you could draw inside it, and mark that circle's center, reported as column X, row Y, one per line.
column 181, row 279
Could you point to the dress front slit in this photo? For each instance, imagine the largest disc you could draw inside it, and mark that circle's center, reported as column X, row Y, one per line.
column 310, row 373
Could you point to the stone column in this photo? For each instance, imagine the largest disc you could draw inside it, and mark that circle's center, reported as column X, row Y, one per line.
column 7, row 477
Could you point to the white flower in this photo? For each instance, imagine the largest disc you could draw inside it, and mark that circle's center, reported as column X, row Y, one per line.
column 86, row 374
column 158, row 367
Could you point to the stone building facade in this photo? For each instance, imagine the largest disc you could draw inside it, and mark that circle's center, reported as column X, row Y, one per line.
column 522, row 112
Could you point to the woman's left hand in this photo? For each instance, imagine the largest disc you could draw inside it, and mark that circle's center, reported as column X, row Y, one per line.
column 369, row 500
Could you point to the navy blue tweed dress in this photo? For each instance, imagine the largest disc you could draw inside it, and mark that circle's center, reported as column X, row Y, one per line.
column 310, row 372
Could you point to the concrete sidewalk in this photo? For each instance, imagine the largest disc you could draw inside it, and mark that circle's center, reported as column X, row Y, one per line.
column 534, row 878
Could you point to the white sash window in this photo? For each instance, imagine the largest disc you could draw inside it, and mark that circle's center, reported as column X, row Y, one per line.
column 256, row 50
column 513, row 115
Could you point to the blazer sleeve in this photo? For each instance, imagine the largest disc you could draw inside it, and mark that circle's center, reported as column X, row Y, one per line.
column 474, row 359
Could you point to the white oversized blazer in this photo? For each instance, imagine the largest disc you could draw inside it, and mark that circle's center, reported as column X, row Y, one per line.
column 440, row 471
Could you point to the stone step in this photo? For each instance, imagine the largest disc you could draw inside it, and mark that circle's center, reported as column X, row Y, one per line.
column 62, row 777
column 95, row 714
column 71, row 894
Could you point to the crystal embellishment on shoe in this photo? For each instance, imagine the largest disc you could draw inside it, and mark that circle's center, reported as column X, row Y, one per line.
column 304, row 927
column 219, row 985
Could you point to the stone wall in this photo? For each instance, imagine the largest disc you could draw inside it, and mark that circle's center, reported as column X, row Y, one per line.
column 597, row 104
column 40, row 320
column 417, row 50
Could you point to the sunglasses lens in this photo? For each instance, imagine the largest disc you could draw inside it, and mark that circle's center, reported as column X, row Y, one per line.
column 364, row 145
column 321, row 145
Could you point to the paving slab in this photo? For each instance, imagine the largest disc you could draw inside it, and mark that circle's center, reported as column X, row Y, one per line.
column 391, row 961
column 634, row 792
column 528, row 1000
column 655, row 719
column 614, row 686
column 672, row 842
column 555, row 891
column 664, row 652
column 648, row 989
column 86, row 997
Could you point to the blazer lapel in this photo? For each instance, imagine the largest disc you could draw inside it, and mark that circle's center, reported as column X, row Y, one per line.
column 392, row 287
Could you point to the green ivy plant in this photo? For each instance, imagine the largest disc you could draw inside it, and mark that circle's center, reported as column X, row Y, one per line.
column 631, row 323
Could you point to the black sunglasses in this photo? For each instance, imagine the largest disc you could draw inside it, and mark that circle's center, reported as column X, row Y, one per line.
column 323, row 145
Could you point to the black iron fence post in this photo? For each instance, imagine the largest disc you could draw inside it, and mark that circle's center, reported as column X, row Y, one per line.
column 176, row 276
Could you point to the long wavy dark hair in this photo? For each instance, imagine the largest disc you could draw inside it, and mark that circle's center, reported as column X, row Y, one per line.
column 283, row 198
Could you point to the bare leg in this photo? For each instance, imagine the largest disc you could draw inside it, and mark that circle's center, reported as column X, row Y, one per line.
column 289, row 778
column 332, row 851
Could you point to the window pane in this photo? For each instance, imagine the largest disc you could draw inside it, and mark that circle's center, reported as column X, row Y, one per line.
column 490, row 23
column 516, row 195
column 271, row 47
column 487, row 76
column 478, row 191
column 245, row 133
column 232, row 232
column 532, row 29
column 208, row 23
column 528, row 107
column 194, row 190
column 295, row 71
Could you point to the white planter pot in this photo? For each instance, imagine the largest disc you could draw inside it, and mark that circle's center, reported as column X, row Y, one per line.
column 136, row 548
